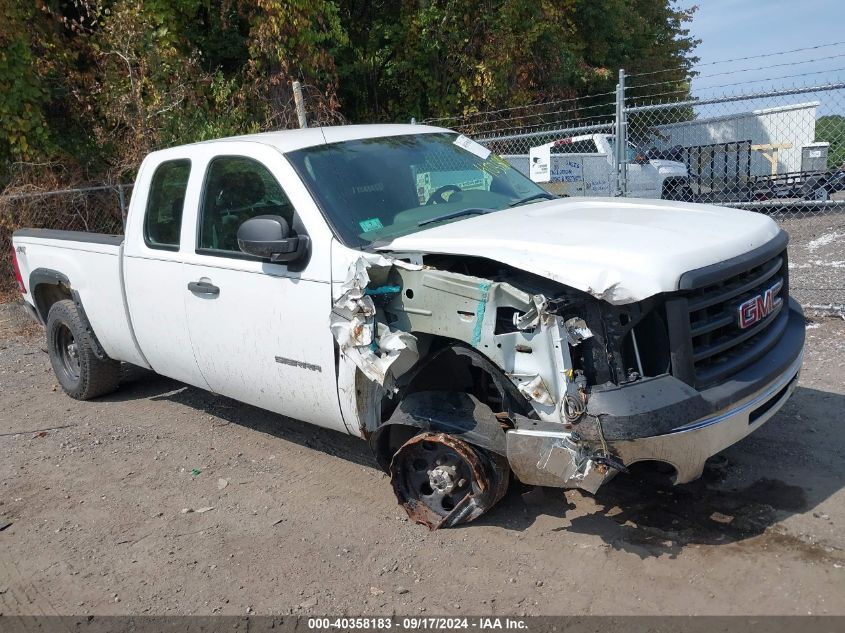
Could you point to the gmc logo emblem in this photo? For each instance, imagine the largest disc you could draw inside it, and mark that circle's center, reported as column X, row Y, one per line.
column 758, row 308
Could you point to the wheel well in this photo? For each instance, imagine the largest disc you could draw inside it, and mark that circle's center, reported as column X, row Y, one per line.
column 449, row 366
column 46, row 294
column 452, row 366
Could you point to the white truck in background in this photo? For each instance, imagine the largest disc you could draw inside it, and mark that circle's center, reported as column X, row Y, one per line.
column 402, row 284
column 584, row 166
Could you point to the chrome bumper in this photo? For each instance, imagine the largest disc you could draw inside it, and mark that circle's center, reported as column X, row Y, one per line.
column 547, row 458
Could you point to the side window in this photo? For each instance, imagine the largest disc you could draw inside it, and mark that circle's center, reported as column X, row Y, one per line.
column 163, row 216
column 237, row 189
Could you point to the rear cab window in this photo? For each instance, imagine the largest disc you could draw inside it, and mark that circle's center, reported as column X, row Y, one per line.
column 165, row 203
column 587, row 146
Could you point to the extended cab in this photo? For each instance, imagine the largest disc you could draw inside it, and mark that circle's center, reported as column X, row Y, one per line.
column 467, row 331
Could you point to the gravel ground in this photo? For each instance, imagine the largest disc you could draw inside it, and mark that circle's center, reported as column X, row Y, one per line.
column 163, row 499
column 817, row 260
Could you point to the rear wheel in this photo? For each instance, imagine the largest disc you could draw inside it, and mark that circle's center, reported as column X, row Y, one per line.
column 80, row 373
column 442, row 481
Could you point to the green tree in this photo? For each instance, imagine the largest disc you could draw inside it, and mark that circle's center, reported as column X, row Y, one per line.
column 831, row 128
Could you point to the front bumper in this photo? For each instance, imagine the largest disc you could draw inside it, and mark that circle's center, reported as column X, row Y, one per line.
column 705, row 422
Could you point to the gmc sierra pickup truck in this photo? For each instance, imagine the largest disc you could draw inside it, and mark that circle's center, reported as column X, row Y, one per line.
column 402, row 284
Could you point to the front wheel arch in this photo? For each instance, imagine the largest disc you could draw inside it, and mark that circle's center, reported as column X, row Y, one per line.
column 451, row 384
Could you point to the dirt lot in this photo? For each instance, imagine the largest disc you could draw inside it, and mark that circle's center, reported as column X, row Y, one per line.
column 302, row 521
column 817, row 259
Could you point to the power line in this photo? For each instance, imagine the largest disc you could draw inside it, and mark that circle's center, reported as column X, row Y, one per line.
column 736, row 83
column 608, row 118
column 738, row 59
column 745, row 70
column 550, row 113
column 750, row 81
column 512, row 108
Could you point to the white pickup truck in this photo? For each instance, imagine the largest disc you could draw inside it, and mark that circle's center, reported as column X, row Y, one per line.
column 468, row 332
column 584, row 166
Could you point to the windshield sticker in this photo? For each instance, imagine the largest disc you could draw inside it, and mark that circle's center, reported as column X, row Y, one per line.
column 370, row 225
column 471, row 146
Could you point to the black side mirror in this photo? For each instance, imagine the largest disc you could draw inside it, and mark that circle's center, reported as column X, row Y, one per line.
column 268, row 237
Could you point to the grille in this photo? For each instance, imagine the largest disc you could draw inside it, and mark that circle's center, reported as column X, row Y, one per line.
column 719, row 346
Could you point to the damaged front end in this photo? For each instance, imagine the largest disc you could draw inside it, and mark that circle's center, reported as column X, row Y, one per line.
column 526, row 350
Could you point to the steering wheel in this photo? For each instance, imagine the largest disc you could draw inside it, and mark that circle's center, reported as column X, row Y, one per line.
column 437, row 196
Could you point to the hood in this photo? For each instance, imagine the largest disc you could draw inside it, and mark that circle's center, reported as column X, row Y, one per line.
column 620, row 250
column 668, row 166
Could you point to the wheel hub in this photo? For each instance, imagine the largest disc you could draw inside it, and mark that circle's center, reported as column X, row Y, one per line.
column 443, row 479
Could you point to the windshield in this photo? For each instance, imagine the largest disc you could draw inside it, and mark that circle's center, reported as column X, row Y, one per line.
column 377, row 189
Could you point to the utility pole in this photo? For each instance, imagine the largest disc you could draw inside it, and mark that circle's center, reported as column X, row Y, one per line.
column 299, row 102
column 621, row 134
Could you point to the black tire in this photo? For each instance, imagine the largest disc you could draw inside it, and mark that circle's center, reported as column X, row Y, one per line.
column 677, row 190
column 80, row 373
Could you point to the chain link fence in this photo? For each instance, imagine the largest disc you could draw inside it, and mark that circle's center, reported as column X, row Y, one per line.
column 95, row 209
column 781, row 153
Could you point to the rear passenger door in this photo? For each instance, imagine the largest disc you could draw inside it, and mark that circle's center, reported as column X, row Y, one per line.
column 153, row 273
column 260, row 330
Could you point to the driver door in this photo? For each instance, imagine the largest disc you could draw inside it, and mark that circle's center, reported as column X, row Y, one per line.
column 259, row 330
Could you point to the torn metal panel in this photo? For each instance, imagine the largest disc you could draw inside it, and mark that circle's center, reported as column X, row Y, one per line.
column 384, row 309
column 537, row 311
column 577, row 330
column 380, row 353
column 558, row 459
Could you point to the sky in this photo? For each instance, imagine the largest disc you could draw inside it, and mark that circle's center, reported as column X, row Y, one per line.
column 741, row 28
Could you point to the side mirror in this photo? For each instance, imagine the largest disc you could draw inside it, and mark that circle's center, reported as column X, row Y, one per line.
column 268, row 237
column 640, row 159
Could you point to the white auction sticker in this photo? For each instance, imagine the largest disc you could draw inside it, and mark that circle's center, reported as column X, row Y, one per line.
column 471, row 146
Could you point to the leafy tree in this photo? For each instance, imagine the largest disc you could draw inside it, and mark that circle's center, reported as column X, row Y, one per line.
column 87, row 87
column 831, row 128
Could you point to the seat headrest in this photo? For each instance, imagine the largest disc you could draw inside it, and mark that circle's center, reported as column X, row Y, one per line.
column 239, row 189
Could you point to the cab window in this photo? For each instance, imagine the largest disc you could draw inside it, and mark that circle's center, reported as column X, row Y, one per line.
column 576, row 147
column 237, row 189
column 163, row 216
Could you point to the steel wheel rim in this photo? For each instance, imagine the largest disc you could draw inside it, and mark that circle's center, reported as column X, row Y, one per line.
column 438, row 475
column 442, row 481
column 68, row 352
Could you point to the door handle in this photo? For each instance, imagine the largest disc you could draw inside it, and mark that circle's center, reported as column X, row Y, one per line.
column 203, row 288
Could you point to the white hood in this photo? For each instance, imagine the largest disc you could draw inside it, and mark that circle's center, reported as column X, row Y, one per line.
column 668, row 166
column 620, row 250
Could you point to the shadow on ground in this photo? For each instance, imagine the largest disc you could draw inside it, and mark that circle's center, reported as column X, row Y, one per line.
column 788, row 466
column 138, row 383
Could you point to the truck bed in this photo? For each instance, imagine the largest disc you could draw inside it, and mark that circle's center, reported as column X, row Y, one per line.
column 90, row 264
column 70, row 236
